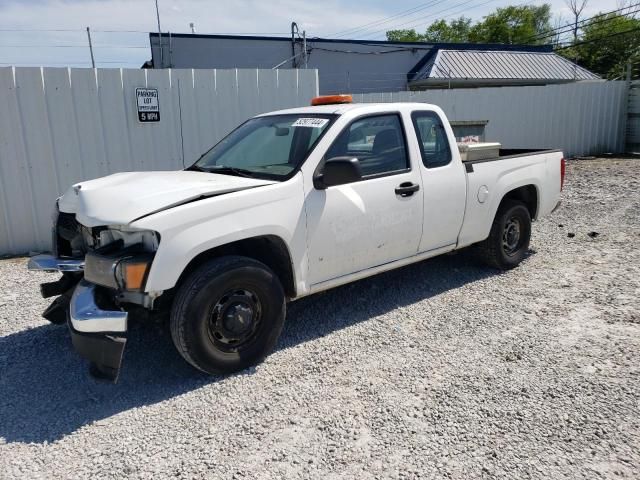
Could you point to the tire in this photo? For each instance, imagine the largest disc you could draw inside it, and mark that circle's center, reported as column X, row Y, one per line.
column 227, row 315
column 504, row 250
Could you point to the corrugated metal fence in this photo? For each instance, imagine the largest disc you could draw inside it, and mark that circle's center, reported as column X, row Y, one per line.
column 633, row 118
column 59, row 126
column 580, row 118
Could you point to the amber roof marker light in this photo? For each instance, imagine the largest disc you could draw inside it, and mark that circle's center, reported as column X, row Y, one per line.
column 331, row 100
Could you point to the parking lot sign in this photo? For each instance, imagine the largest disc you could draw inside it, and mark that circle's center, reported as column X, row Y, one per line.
column 148, row 105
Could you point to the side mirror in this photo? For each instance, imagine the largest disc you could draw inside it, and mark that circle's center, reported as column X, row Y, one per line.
column 337, row 171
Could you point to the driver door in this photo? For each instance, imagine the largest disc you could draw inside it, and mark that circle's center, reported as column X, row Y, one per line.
column 364, row 224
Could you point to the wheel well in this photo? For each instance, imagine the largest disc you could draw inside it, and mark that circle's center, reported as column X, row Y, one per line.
column 528, row 195
column 268, row 249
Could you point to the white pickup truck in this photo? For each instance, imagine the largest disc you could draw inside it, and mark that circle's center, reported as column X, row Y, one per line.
column 290, row 203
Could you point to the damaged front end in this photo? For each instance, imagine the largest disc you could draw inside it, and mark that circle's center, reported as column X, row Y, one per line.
column 104, row 270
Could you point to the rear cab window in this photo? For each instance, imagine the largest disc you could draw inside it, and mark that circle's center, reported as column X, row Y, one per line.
column 432, row 139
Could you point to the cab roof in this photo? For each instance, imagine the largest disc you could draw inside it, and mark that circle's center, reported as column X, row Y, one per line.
column 339, row 109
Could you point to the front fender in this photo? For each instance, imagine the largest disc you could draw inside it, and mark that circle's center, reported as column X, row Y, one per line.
column 189, row 230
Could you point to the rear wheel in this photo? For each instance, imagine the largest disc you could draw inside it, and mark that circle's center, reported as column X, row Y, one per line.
column 228, row 314
column 509, row 238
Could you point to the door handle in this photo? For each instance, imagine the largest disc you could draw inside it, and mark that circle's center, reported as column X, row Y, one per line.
column 406, row 189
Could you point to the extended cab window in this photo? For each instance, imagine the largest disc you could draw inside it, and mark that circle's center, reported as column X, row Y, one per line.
column 376, row 141
column 266, row 147
column 432, row 137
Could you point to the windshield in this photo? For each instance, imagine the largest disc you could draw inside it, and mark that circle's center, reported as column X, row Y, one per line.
column 266, row 147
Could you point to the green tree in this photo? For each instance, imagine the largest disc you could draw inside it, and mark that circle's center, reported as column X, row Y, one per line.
column 513, row 24
column 603, row 46
column 456, row 30
column 404, row 36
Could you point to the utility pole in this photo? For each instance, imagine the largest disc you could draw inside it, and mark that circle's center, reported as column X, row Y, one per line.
column 304, row 53
column 294, row 32
column 159, row 35
column 305, row 57
column 576, row 7
column 93, row 62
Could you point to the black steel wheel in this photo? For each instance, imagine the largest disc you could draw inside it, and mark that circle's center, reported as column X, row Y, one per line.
column 509, row 238
column 227, row 314
column 234, row 319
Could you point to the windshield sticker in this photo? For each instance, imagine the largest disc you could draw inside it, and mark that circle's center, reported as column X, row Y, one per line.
column 310, row 122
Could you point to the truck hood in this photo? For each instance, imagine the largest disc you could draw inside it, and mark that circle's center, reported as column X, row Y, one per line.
column 121, row 198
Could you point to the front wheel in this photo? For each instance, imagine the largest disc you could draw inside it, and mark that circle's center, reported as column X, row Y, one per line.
column 227, row 314
column 509, row 238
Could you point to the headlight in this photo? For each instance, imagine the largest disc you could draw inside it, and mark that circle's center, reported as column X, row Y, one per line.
column 123, row 259
column 119, row 270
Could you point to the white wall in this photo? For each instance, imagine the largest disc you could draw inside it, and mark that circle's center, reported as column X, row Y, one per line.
column 59, row 126
column 584, row 118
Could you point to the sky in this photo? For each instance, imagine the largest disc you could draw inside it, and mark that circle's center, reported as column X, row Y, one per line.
column 53, row 32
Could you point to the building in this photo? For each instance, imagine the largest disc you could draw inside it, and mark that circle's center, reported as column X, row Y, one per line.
column 363, row 66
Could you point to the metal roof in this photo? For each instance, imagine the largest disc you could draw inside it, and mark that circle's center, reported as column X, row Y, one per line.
column 500, row 65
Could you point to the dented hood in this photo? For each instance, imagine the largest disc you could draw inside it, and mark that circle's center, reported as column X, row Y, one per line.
column 122, row 198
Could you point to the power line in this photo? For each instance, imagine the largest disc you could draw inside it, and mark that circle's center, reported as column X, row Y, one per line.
column 40, row 30
column 78, row 30
column 73, row 46
column 584, row 42
column 34, row 64
column 393, row 27
column 401, row 14
column 221, row 33
column 355, row 52
column 581, row 23
column 595, row 22
column 233, row 47
column 524, row 3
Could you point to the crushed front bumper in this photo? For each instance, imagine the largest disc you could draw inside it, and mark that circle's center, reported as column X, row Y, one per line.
column 49, row 263
column 87, row 317
column 97, row 331
column 97, row 334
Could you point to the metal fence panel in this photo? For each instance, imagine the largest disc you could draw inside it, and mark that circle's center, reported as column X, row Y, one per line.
column 584, row 118
column 59, row 126
column 633, row 118
column 16, row 193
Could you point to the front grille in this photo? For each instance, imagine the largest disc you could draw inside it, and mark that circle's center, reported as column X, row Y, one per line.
column 67, row 227
column 68, row 236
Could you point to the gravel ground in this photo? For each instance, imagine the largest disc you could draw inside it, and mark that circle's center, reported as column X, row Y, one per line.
column 444, row 369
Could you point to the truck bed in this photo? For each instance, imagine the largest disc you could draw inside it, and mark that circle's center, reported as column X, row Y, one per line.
column 506, row 153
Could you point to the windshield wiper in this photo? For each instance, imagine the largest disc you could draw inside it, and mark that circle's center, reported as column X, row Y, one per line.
column 225, row 170
column 195, row 168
